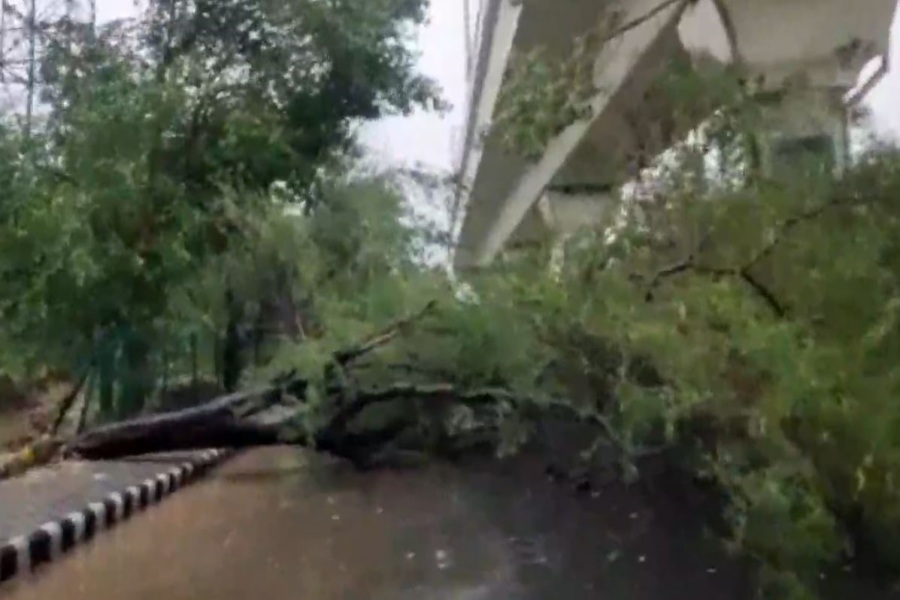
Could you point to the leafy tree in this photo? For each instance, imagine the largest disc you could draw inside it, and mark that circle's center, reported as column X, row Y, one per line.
column 120, row 202
column 743, row 320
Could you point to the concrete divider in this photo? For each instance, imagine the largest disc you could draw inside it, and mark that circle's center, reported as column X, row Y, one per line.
column 24, row 552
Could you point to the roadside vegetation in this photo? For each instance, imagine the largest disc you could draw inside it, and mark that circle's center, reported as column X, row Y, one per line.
column 191, row 216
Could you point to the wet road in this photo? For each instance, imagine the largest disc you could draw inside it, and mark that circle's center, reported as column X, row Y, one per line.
column 280, row 524
column 49, row 493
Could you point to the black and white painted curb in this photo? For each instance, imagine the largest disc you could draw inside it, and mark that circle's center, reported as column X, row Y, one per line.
column 22, row 554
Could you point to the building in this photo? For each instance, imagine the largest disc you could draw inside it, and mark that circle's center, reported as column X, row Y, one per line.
column 506, row 199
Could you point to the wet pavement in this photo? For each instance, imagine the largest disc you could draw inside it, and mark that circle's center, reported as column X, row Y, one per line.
column 278, row 523
column 49, row 493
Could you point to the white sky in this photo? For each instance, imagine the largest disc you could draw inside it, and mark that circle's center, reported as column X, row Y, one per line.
column 431, row 139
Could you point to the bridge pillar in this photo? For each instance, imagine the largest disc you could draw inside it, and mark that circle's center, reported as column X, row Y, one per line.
column 564, row 213
column 804, row 129
column 802, row 57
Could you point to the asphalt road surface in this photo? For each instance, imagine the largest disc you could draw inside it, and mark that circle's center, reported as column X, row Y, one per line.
column 282, row 524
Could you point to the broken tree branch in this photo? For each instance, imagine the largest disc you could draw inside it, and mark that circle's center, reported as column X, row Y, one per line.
column 743, row 273
column 791, row 223
column 83, row 415
column 38, row 452
column 336, row 373
column 344, row 357
column 65, row 405
column 172, row 425
column 426, row 392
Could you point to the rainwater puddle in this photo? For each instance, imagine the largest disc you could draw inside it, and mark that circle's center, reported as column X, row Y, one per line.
column 280, row 524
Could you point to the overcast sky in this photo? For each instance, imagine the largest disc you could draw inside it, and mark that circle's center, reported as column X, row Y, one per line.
column 430, row 139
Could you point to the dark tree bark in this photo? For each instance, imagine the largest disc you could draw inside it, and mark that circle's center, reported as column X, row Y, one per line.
column 204, row 426
column 223, row 432
column 230, row 422
column 231, row 349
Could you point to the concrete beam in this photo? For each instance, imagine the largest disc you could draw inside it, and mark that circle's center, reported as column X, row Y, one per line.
column 500, row 29
column 614, row 67
column 564, row 214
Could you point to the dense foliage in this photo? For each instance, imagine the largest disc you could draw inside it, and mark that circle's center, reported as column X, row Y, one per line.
column 165, row 140
column 743, row 316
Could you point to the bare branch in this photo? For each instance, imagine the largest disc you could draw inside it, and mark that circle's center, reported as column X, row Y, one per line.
column 344, row 357
column 742, row 273
column 791, row 223
column 65, row 405
column 639, row 20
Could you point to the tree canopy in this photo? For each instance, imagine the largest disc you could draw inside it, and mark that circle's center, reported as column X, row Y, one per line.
column 165, row 139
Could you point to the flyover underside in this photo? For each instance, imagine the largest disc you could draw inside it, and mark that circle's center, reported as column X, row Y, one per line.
column 603, row 158
column 540, row 25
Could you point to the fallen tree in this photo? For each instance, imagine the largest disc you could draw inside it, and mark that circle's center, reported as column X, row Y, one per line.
column 443, row 418
column 272, row 414
column 233, row 422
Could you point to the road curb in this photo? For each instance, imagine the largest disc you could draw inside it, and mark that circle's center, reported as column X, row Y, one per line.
column 48, row 542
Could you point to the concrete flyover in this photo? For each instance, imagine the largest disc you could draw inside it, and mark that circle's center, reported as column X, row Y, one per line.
column 506, row 200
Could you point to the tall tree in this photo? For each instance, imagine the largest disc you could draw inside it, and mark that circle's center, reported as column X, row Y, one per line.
column 150, row 120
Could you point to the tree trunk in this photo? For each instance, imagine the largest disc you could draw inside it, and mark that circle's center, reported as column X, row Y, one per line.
column 214, row 424
column 231, row 349
column 138, row 381
column 234, row 420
